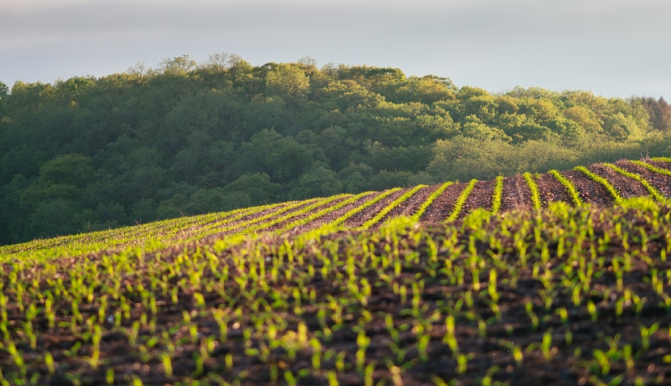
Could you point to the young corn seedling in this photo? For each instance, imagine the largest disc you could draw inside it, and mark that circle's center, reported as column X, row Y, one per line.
column 429, row 200
column 497, row 196
column 533, row 187
column 654, row 193
column 610, row 188
column 380, row 215
column 570, row 188
column 461, row 201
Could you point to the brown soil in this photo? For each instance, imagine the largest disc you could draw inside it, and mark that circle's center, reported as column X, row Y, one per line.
column 512, row 325
column 412, row 204
column 516, row 194
column 331, row 216
column 552, row 190
column 626, row 186
column 442, row 206
column 659, row 181
column 370, row 212
column 660, row 164
column 283, row 223
column 590, row 191
column 480, row 197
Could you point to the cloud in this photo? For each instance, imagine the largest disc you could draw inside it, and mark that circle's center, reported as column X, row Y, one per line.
column 607, row 45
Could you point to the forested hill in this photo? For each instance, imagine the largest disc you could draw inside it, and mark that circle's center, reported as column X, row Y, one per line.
column 186, row 138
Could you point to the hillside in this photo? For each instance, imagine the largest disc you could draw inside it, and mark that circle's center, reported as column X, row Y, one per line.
column 86, row 153
column 560, row 278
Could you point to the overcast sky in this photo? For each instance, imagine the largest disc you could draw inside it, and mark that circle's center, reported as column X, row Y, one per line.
column 614, row 48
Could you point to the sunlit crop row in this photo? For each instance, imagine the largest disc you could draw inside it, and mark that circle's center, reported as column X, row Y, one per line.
column 604, row 182
column 489, row 299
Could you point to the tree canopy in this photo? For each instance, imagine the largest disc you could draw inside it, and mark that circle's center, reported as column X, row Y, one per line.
column 90, row 153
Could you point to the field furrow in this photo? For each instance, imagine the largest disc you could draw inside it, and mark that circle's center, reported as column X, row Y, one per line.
column 442, row 206
column 281, row 221
column 360, row 217
column 655, row 166
column 480, row 197
column 418, row 202
column 516, row 194
column 551, row 190
column 397, row 203
column 652, row 191
column 661, row 162
column 661, row 182
column 251, row 219
column 340, row 212
column 591, row 192
column 624, row 185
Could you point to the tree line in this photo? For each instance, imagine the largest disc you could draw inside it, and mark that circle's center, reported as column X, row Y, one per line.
column 185, row 138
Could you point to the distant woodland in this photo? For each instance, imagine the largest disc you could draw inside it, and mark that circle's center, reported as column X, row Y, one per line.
column 186, row 138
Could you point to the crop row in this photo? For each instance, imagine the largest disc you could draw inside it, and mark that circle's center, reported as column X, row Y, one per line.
column 533, row 187
column 461, row 200
column 570, row 294
column 497, row 196
column 160, row 235
column 570, row 188
column 596, row 178
column 380, row 215
column 654, row 193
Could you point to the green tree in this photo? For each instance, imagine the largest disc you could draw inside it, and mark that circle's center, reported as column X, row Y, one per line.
column 317, row 181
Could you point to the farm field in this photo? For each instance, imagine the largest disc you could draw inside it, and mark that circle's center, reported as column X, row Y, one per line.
column 559, row 278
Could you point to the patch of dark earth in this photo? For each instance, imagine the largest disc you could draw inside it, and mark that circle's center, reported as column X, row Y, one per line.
column 516, row 194
column 659, row 181
column 660, row 164
column 361, row 217
column 333, row 215
column 411, row 205
column 552, row 190
column 627, row 187
column 480, row 197
column 443, row 205
column 282, row 224
column 590, row 191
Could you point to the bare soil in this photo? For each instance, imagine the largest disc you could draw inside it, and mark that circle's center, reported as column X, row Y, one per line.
column 516, row 194
column 552, row 190
column 590, row 191
column 660, row 164
column 659, row 181
column 411, row 205
column 370, row 212
column 442, row 206
column 480, row 197
column 626, row 186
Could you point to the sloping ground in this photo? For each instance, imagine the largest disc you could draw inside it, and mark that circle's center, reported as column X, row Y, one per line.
column 284, row 294
column 564, row 296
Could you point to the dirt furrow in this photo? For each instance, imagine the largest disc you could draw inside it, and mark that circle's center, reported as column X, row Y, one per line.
column 516, row 194
column 442, row 206
column 552, row 190
column 660, row 164
column 370, row 212
column 659, row 181
column 332, row 216
column 285, row 222
column 627, row 187
column 411, row 205
column 590, row 191
column 235, row 225
column 480, row 197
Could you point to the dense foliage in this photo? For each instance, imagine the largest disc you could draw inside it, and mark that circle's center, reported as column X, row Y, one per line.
column 91, row 153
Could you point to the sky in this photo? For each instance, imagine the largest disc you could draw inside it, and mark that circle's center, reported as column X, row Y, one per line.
column 614, row 48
